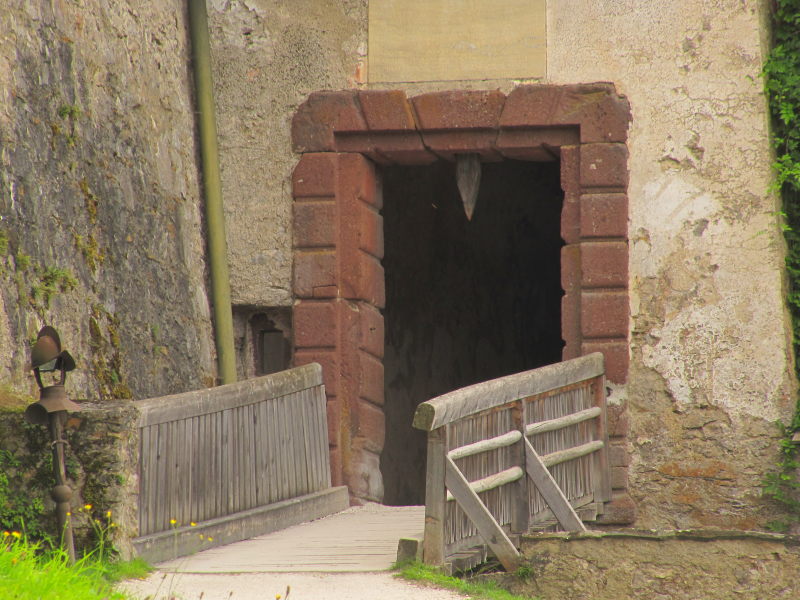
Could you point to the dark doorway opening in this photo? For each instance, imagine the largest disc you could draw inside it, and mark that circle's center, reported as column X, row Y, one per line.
column 466, row 301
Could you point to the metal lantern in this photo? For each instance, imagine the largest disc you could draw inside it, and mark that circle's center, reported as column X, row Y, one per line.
column 51, row 410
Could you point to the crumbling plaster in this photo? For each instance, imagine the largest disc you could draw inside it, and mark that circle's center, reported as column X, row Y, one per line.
column 711, row 365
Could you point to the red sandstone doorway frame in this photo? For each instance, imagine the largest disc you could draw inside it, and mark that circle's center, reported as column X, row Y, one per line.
column 338, row 279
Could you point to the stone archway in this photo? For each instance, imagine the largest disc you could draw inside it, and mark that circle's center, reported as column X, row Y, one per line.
column 338, row 230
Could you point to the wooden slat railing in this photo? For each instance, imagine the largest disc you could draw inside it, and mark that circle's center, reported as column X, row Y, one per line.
column 213, row 453
column 486, row 443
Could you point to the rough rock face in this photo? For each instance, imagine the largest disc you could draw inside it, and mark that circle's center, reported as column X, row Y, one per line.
column 99, row 197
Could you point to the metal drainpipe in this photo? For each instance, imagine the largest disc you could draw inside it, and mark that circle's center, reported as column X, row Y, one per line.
column 215, row 218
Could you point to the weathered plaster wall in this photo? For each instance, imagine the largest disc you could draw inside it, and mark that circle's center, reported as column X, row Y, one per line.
column 99, row 196
column 267, row 57
column 710, row 360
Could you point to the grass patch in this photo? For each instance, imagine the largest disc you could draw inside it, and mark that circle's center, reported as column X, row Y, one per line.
column 482, row 590
column 28, row 572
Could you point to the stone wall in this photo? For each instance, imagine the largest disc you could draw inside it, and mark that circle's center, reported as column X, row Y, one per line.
column 710, row 363
column 649, row 565
column 101, row 455
column 100, row 206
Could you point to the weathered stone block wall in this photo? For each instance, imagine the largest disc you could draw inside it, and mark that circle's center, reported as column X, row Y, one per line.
column 100, row 227
column 101, row 453
column 644, row 565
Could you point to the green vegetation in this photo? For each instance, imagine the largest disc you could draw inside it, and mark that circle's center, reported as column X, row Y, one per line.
column 51, row 281
column 483, row 590
column 69, row 111
column 782, row 74
column 28, row 571
column 18, row 506
column 107, row 354
column 90, row 200
column 11, row 400
column 90, row 249
column 22, row 261
column 3, row 242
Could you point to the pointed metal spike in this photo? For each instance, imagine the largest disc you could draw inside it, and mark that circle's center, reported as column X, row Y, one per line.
column 468, row 178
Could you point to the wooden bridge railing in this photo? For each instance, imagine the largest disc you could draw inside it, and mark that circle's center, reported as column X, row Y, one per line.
column 215, row 456
column 487, row 441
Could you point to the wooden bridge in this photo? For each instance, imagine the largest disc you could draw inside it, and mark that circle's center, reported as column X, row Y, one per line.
column 526, row 451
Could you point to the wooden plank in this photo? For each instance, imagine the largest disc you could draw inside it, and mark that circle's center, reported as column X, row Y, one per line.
column 226, row 470
column 550, row 491
column 491, row 482
column 602, row 471
column 488, row 527
column 520, row 499
column 308, row 462
column 274, row 448
column 497, row 392
column 435, row 504
column 216, row 479
column 561, row 422
column 555, row 458
column 501, row 441
column 145, row 457
column 250, row 391
column 262, row 454
column 322, row 422
column 236, row 473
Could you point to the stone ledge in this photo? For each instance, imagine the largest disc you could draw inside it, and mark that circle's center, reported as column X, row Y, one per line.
column 712, row 564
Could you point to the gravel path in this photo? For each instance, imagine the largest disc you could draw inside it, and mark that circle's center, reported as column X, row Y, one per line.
column 266, row 586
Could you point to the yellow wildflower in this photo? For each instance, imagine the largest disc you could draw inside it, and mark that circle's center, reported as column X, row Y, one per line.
column 172, row 521
column 210, row 539
column 87, row 507
column 16, row 534
column 192, row 523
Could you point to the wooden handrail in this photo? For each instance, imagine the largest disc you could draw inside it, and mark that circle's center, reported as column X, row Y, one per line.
column 561, row 422
column 250, row 391
column 501, row 441
column 487, row 427
column 483, row 396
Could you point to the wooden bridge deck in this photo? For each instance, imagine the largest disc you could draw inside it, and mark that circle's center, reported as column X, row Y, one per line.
column 359, row 539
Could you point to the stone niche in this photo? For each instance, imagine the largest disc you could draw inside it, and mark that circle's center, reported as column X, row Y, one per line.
column 355, row 142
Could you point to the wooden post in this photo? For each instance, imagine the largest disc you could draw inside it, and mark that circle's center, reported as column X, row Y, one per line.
column 435, row 498
column 521, row 510
column 550, row 491
column 602, row 473
column 480, row 516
